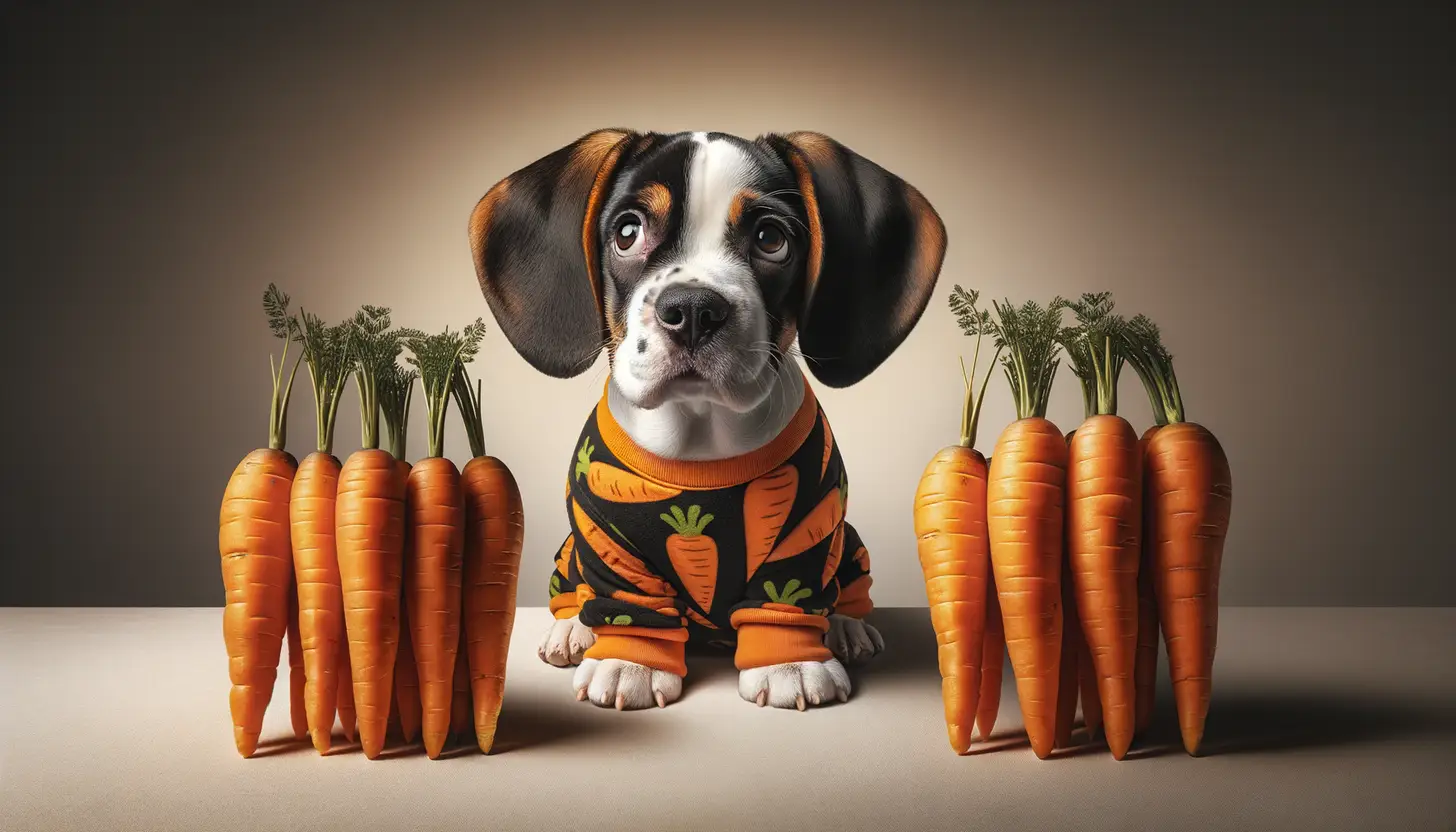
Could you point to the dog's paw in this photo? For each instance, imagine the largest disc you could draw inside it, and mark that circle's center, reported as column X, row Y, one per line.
column 565, row 641
column 851, row 640
column 624, row 685
column 795, row 684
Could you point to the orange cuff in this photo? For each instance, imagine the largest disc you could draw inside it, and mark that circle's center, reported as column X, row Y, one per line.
column 652, row 647
column 767, row 636
column 565, row 605
column 854, row 600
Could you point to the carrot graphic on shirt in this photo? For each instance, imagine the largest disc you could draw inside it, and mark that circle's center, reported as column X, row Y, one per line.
column 694, row 555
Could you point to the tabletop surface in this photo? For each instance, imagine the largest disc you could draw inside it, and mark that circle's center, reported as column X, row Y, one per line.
column 1321, row 719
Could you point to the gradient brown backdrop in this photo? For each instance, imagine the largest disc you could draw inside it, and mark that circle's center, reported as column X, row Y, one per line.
column 1273, row 187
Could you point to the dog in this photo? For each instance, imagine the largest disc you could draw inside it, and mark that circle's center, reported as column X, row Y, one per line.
column 706, row 495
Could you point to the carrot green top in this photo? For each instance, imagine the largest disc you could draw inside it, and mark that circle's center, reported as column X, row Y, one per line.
column 375, row 349
column 285, row 326
column 977, row 322
column 437, row 356
column 326, row 349
column 467, row 399
column 1028, row 334
column 396, row 386
column 1095, row 351
column 1143, row 345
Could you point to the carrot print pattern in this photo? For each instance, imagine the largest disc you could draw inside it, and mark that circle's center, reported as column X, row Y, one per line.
column 791, row 594
column 819, row 524
column 766, row 506
column 694, row 555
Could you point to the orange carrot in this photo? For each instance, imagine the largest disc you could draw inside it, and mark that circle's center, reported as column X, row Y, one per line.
column 370, row 521
column 1145, row 668
column 396, row 388
column 1104, row 522
column 311, row 507
column 817, row 525
column 256, row 555
column 954, row 549
column 616, row 485
column 766, row 505
column 1068, row 688
column 694, row 555
column 348, row 714
column 1024, row 497
column 298, row 714
column 461, row 710
column 494, row 530
column 1087, row 684
column 437, row 536
column 1191, row 491
column 993, row 662
column 836, row 554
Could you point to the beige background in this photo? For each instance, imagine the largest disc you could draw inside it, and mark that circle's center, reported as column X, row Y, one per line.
column 1273, row 187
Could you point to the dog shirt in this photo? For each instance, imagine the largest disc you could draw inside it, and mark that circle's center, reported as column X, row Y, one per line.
column 751, row 551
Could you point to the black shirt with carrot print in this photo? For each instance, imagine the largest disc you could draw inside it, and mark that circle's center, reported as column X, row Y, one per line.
column 752, row 551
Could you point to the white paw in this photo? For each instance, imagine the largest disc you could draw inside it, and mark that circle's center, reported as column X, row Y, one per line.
column 624, row 685
column 795, row 684
column 852, row 640
column 565, row 641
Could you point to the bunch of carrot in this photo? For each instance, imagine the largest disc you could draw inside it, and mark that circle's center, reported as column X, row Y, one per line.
column 1069, row 552
column 370, row 566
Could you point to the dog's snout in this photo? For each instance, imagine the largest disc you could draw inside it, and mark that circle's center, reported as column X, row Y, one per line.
column 691, row 314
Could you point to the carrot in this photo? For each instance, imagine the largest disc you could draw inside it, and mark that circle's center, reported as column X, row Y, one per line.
column 766, row 505
column 954, row 550
column 396, row 388
column 1087, row 684
column 1104, row 522
column 369, row 522
column 993, row 662
column 616, row 485
column 1024, row 496
column 494, row 530
column 818, row 524
column 256, row 556
column 326, row 351
column 460, row 705
column 436, row 532
column 1191, row 492
column 348, row 714
column 694, row 555
column 1145, row 671
column 297, row 713
column 1068, row 688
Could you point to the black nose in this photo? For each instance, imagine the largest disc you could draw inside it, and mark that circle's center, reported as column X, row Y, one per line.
column 691, row 313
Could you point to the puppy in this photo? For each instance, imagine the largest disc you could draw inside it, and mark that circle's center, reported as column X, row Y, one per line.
column 706, row 495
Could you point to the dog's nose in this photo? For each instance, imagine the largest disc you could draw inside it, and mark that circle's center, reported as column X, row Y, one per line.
column 691, row 313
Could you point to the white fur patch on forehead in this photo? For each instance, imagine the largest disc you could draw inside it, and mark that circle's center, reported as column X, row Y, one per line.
column 717, row 170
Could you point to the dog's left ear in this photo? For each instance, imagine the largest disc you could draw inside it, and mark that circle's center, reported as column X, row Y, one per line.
column 875, row 251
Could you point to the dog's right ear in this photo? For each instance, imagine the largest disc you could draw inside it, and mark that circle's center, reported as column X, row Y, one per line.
column 533, row 237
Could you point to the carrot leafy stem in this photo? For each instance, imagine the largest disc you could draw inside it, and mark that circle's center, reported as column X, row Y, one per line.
column 437, row 356
column 376, row 349
column 1143, row 345
column 1094, row 351
column 1027, row 334
column 327, row 351
column 467, row 398
column 977, row 322
column 284, row 325
column 396, row 388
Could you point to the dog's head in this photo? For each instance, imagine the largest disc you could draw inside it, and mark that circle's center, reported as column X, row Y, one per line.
column 695, row 259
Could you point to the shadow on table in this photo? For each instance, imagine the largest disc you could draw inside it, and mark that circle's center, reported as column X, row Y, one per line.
column 1245, row 720
column 526, row 723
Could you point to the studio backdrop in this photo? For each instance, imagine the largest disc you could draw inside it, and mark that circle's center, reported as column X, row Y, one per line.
column 1273, row 188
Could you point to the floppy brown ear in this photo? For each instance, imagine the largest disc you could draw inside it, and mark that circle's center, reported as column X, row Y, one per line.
column 533, row 237
column 875, row 250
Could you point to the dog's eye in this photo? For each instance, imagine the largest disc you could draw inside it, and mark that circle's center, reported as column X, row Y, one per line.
column 770, row 242
column 628, row 237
